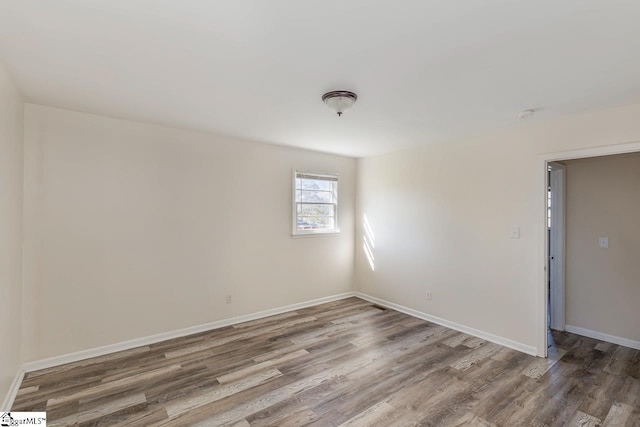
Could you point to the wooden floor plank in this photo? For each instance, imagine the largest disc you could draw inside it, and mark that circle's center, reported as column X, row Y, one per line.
column 348, row 363
column 103, row 411
column 622, row 414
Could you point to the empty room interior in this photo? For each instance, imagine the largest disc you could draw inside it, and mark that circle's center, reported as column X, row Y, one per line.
column 327, row 213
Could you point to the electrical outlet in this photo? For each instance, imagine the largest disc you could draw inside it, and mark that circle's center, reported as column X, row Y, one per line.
column 428, row 295
column 229, row 300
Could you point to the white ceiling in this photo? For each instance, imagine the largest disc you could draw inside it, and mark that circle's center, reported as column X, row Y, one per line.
column 424, row 70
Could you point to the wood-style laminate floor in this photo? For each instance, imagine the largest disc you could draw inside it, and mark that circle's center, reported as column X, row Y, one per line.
column 342, row 363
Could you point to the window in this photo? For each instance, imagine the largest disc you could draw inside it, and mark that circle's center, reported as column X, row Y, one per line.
column 315, row 206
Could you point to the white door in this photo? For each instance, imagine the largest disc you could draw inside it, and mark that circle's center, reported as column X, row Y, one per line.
column 556, row 246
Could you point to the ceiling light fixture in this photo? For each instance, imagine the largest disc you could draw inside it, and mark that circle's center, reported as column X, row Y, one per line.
column 339, row 100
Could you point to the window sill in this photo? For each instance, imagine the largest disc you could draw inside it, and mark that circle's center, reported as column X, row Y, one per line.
column 326, row 234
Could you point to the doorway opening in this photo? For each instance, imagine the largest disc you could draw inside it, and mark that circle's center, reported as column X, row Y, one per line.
column 551, row 292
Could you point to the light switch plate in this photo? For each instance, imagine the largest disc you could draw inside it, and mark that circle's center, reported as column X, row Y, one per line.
column 515, row 232
column 603, row 242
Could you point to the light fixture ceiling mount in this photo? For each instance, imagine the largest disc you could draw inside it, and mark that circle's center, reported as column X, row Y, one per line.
column 526, row 114
column 339, row 100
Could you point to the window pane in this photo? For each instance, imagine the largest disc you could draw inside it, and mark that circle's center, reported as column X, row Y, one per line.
column 315, row 210
column 316, row 184
column 315, row 223
column 317, row 196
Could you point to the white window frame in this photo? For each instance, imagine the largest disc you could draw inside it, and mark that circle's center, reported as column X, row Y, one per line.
column 297, row 233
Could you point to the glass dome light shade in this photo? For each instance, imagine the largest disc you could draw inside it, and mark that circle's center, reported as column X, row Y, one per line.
column 339, row 100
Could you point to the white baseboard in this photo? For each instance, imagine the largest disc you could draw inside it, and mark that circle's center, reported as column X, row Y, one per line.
column 152, row 339
column 449, row 324
column 13, row 391
column 603, row 337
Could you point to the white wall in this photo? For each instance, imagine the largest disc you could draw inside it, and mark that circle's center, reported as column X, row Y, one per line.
column 11, row 113
column 442, row 216
column 137, row 229
column 603, row 285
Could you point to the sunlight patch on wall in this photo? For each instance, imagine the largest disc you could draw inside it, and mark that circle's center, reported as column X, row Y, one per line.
column 368, row 244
